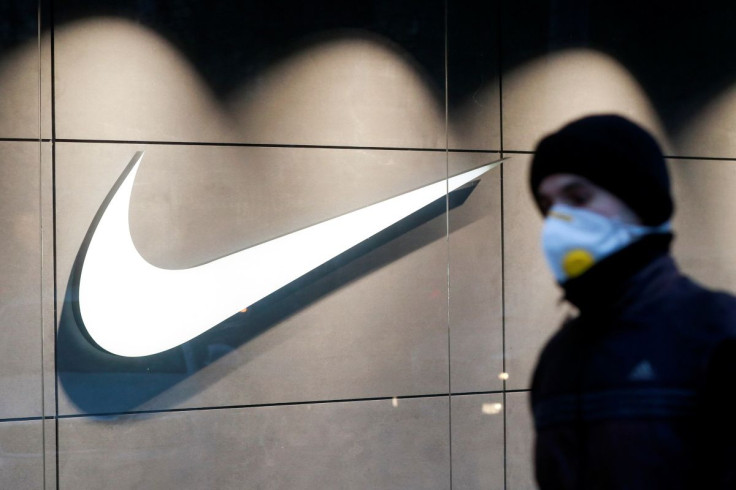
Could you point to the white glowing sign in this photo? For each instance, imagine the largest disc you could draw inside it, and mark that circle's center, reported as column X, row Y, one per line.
column 132, row 308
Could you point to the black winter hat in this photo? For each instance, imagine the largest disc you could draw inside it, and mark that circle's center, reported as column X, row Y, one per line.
column 615, row 154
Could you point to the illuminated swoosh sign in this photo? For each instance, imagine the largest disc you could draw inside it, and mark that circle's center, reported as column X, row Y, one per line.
column 132, row 308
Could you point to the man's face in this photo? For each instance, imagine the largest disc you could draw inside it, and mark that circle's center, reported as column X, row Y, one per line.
column 576, row 191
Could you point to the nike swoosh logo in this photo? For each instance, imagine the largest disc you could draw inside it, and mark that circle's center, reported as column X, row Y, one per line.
column 132, row 308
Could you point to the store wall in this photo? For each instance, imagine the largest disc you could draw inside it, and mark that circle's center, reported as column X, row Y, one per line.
column 402, row 364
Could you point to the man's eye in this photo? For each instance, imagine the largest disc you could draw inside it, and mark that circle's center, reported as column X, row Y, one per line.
column 579, row 198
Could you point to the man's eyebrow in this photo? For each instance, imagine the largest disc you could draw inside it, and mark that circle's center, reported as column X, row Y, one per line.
column 573, row 186
column 544, row 201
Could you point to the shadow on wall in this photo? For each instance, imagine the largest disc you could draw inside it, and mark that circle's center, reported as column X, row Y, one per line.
column 231, row 42
column 101, row 383
column 680, row 53
column 339, row 88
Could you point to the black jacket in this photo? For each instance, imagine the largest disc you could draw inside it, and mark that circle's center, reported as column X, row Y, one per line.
column 635, row 392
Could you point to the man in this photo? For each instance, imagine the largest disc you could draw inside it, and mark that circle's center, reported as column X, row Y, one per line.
column 635, row 391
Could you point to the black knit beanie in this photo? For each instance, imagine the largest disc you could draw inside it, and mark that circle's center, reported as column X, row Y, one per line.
column 615, row 154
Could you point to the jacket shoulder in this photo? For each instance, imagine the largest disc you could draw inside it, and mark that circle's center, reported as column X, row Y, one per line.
column 716, row 310
column 559, row 351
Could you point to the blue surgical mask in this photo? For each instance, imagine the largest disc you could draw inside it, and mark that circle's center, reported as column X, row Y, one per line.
column 575, row 239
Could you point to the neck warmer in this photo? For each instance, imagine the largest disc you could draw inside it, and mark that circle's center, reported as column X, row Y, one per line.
column 605, row 285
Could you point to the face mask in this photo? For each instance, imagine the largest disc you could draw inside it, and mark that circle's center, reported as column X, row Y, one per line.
column 575, row 239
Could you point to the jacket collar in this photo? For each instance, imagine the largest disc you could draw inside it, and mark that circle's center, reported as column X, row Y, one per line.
column 632, row 273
